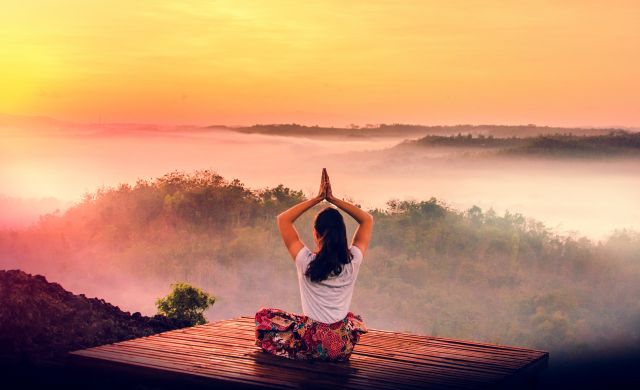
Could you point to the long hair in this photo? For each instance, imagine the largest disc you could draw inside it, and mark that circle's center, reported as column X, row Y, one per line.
column 334, row 251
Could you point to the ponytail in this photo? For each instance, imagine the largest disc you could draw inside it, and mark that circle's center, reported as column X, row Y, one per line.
column 334, row 252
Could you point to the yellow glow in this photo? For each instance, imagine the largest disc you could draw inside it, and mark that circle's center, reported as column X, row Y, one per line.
column 331, row 62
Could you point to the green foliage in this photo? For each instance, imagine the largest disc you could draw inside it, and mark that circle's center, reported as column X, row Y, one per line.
column 185, row 302
column 429, row 269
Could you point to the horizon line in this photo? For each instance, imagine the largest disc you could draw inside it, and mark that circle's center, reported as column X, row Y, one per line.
column 350, row 126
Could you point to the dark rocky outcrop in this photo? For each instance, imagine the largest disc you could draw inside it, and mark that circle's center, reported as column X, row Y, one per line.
column 41, row 321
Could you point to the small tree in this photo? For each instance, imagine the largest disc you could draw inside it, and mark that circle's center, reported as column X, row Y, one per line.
column 185, row 302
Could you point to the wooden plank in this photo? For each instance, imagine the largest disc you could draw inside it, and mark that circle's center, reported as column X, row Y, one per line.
column 138, row 360
column 392, row 348
column 219, row 370
column 142, row 365
column 457, row 344
column 485, row 355
column 250, row 320
column 329, row 370
column 477, row 360
column 231, row 345
column 278, row 361
column 292, row 362
column 224, row 352
column 373, row 342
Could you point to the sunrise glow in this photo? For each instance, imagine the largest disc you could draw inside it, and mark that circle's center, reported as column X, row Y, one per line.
column 333, row 63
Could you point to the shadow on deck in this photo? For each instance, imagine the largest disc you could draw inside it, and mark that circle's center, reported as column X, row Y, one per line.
column 223, row 354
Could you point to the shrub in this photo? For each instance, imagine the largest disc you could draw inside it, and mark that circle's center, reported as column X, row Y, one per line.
column 185, row 302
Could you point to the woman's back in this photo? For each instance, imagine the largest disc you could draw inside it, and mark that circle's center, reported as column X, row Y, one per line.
column 327, row 330
column 329, row 300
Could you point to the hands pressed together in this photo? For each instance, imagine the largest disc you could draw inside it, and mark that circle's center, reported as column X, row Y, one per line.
column 325, row 187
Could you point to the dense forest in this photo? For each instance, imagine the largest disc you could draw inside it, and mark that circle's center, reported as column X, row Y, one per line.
column 430, row 269
column 407, row 130
column 613, row 144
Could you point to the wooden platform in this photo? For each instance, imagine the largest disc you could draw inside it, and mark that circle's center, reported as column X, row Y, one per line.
column 223, row 353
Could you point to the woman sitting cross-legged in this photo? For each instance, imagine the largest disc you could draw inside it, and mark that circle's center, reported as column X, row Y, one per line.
column 326, row 276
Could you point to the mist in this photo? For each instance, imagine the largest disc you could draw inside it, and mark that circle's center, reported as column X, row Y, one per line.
column 543, row 261
column 572, row 197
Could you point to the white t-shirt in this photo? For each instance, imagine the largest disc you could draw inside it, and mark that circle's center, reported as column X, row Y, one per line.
column 327, row 301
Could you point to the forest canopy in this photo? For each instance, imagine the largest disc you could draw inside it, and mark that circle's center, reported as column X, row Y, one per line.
column 614, row 144
column 429, row 269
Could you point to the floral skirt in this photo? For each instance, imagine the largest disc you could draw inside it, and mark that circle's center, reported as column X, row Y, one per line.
column 298, row 337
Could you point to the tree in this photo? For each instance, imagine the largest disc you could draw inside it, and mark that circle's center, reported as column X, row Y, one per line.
column 185, row 302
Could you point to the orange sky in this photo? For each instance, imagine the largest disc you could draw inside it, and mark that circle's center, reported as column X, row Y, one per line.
column 239, row 62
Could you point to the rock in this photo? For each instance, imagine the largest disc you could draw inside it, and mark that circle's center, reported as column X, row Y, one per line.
column 40, row 321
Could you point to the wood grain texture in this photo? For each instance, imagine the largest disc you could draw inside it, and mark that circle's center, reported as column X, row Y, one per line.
column 223, row 353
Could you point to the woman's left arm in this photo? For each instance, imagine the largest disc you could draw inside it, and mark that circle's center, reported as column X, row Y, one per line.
column 288, row 231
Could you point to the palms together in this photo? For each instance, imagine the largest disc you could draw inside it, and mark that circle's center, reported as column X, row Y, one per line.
column 325, row 186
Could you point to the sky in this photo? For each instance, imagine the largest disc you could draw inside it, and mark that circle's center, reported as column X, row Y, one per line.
column 568, row 63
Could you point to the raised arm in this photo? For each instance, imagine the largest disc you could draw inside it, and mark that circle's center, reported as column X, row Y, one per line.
column 286, row 218
column 362, row 236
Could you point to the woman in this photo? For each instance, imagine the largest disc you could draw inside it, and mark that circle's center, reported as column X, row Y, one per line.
column 326, row 277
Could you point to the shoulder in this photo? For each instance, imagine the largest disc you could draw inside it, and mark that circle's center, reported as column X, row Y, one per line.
column 303, row 257
column 357, row 253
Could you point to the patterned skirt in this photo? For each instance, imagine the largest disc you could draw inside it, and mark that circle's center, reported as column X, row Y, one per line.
column 298, row 337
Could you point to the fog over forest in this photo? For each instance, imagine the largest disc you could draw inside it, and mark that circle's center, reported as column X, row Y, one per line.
column 527, row 251
column 571, row 195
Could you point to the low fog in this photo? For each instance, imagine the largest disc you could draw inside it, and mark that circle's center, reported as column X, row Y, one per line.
column 580, row 197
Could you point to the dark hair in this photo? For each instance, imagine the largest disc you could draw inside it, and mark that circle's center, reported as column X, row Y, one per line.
column 334, row 251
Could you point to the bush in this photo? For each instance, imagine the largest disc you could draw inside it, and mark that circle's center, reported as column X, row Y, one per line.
column 185, row 302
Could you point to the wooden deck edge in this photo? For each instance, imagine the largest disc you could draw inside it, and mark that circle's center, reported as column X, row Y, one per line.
column 527, row 376
column 85, row 364
column 103, row 371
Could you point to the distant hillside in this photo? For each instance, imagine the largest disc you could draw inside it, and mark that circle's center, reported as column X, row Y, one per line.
column 405, row 130
column 464, row 141
column 617, row 144
column 613, row 144
column 17, row 124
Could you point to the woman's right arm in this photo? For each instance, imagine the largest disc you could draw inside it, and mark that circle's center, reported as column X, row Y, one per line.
column 362, row 235
column 363, row 232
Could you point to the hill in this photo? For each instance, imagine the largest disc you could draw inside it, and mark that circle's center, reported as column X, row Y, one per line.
column 613, row 144
column 408, row 131
column 41, row 321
